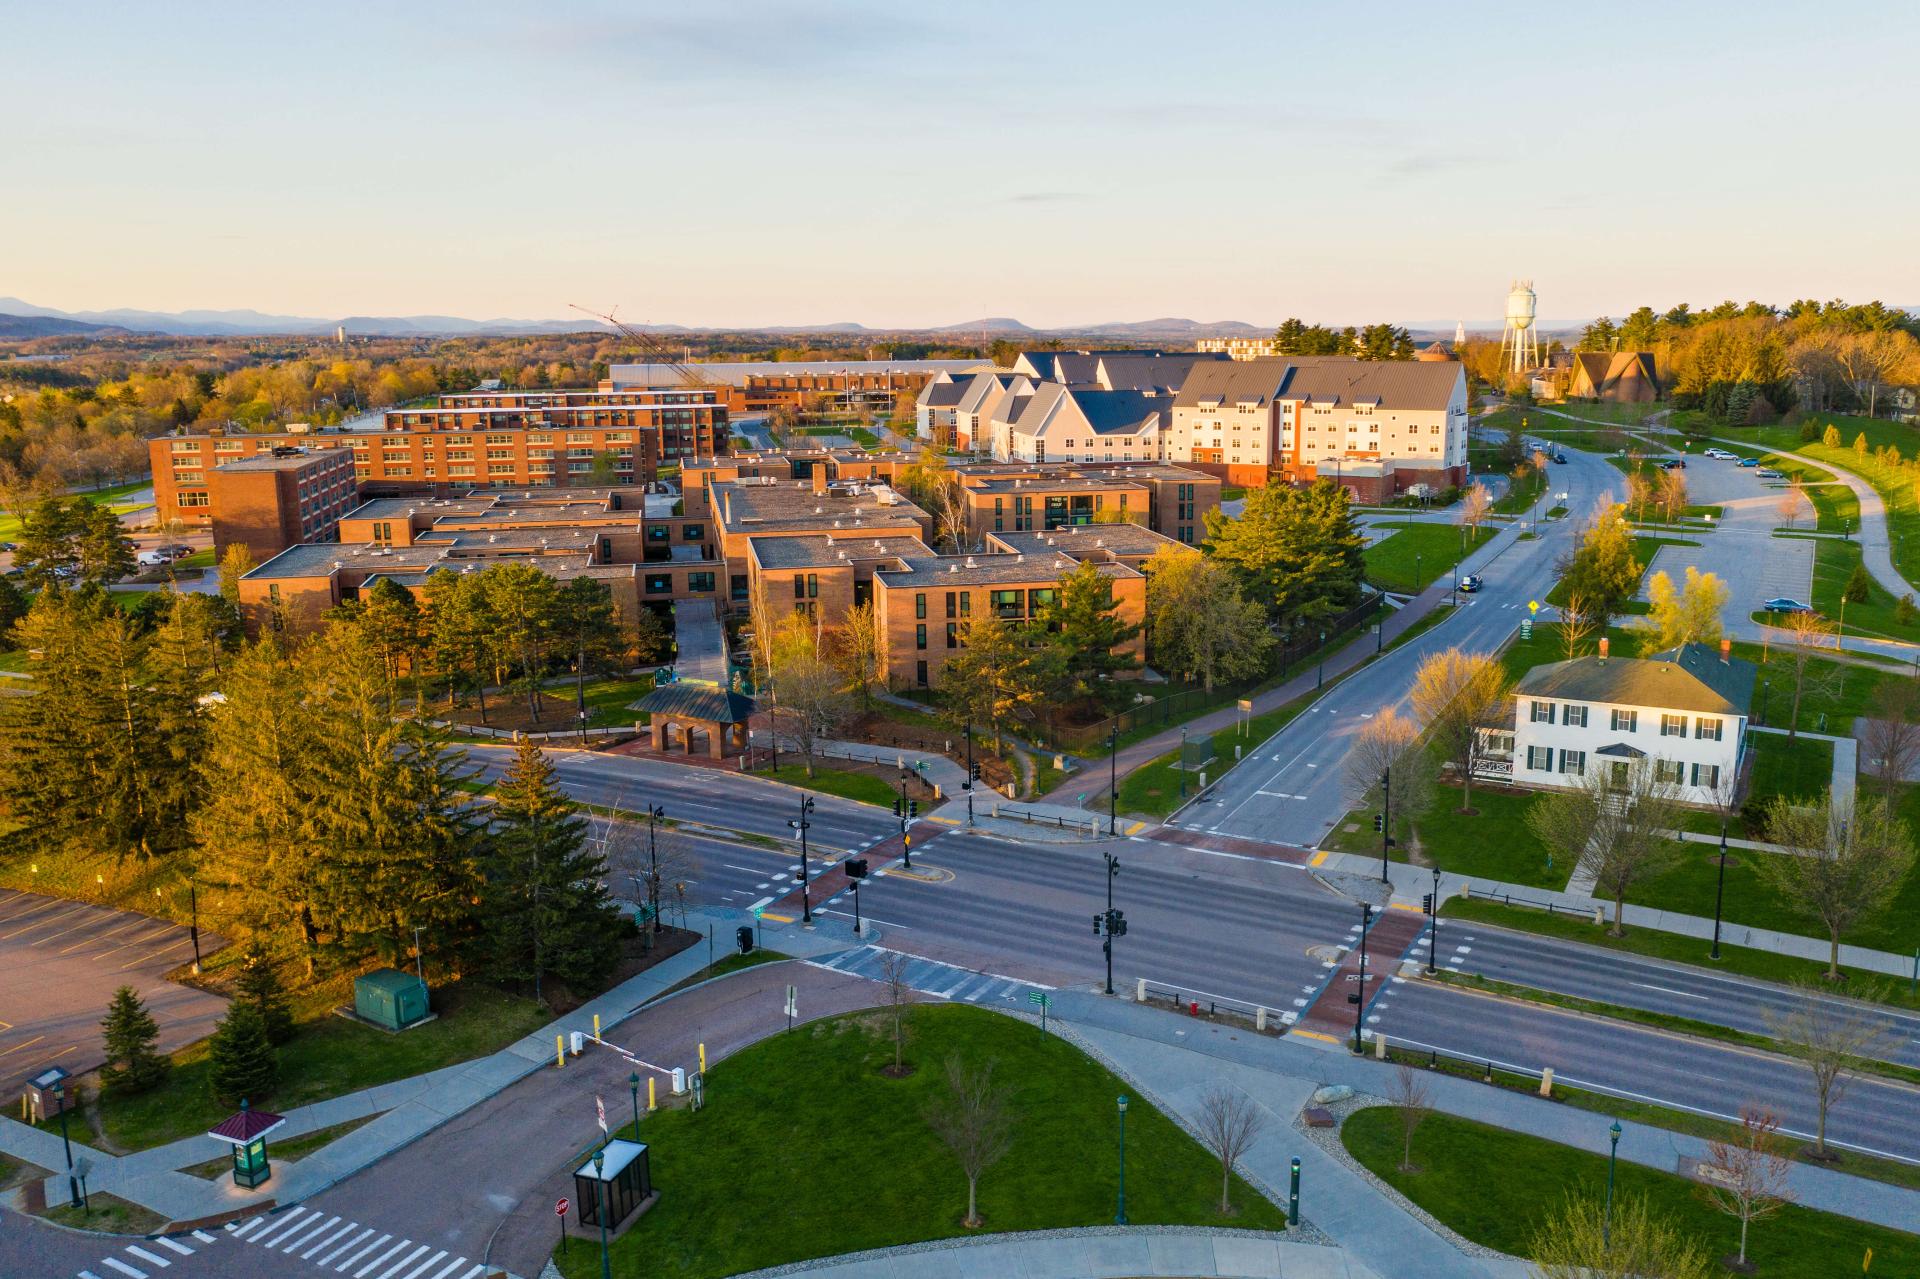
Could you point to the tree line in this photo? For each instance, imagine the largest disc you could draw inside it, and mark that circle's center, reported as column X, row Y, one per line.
column 1371, row 342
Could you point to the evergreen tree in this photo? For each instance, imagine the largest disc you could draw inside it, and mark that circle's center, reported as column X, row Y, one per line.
column 242, row 1065
column 391, row 618
column 1602, row 572
column 133, row 1063
column 13, row 607
column 1298, row 550
column 259, row 985
column 589, row 627
column 48, row 548
column 1087, row 636
column 547, row 910
column 521, row 606
column 1859, row 585
column 105, row 555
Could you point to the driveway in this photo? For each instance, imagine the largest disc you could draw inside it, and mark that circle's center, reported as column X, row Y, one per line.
column 63, row 959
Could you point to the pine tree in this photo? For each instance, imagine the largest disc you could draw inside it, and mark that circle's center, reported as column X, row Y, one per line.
column 1602, row 572
column 1859, row 585
column 133, row 1064
column 1296, row 549
column 13, row 607
column 1088, row 637
column 240, row 1058
column 259, row 985
column 546, row 908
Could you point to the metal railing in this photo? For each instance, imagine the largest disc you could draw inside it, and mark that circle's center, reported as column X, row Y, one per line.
column 1060, row 820
column 1190, row 1002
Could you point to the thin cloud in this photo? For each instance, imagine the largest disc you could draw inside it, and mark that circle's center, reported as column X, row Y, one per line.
column 734, row 38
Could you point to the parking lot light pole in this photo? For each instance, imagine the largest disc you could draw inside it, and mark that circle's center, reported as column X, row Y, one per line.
column 655, row 813
column 1113, row 780
column 73, row 1184
column 1613, row 1155
column 1320, row 680
column 1720, row 886
column 1120, row 1208
column 633, row 1086
column 600, row 1210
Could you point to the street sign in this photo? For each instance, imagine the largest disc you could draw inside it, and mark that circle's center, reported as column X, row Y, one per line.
column 560, row 1207
column 1038, row 997
column 1533, row 606
column 600, row 1112
column 1246, row 706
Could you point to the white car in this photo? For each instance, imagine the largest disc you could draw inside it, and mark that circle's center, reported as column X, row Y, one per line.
column 151, row 559
column 1721, row 455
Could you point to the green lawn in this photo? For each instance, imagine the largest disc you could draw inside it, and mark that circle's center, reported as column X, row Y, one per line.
column 1492, row 844
column 751, row 1147
column 1232, row 493
column 328, row 1057
column 1796, row 768
column 1833, row 563
column 1419, row 554
column 1834, row 504
column 1838, row 690
column 1154, row 790
column 1522, row 493
column 1676, row 948
column 1452, row 1157
column 1611, row 414
column 199, row 559
column 13, row 659
column 831, row 781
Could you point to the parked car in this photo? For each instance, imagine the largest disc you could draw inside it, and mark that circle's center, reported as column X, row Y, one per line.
column 151, row 559
column 175, row 551
column 1470, row 583
column 1782, row 604
column 1749, row 461
column 8, row 546
column 1673, row 464
column 1768, row 473
column 1559, row 457
column 1719, row 454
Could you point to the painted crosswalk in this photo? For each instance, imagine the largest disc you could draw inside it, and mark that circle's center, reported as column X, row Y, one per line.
column 334, row 1244
column 931, row 977
column 146, row 1258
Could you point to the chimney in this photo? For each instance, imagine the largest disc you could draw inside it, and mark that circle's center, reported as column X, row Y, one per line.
column 1603, row 648
column 1726, row 652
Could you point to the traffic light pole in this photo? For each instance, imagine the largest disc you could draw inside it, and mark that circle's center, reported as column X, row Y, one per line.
column 1386, row 822
column 1433, row 924
column 1360, row 999
column 806, row 901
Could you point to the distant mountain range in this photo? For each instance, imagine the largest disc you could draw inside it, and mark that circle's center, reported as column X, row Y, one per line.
column 22, row 319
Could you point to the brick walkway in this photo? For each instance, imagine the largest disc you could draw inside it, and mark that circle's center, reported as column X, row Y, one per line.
column 1331, row 1016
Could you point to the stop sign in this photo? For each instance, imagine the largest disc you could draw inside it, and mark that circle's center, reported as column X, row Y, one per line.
column 560, row 1208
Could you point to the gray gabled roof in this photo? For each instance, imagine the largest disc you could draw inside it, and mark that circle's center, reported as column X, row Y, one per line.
column 1690, row 678
column 697, row 699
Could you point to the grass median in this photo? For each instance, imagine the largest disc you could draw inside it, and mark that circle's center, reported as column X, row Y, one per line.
column 1452, row 1158
column 759, row 1178
column 1413, row 557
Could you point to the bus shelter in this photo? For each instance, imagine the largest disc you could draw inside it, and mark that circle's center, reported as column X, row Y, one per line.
column 622, row 1180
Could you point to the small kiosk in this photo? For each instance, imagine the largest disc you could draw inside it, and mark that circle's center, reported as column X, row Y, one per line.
column 247, row 1132
column 619, row 1176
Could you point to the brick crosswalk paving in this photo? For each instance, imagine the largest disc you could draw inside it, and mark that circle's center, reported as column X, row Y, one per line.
column 1229, row 844
column 1331, row 1015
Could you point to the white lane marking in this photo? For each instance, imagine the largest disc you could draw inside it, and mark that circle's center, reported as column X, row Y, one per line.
column 305, row 1234
column 151, row 1258
column 864, row 917
column 240, row 1231
column 426, row 1265
column 365, row 1231
column 88, row 1274
column 412, row 1257
column 757, row 905
column 363, row 1252
column 364, row 1270
column 180, row 1248
column 473, row 1273
column 281, row 1222
column 452, row 1266
column 203, row 1236
column 1668, row 990
column 315, row 1245
column 123, row 1268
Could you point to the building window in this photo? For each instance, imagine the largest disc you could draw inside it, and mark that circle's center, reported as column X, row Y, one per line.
column 1705, row 729
column 920, row 674
column 920, row 637
column 966, row 603
column 1573, row 762
column 1669, row 770
column 692, row 533
column 659, row 583
column 1706, row 776
column 1673, row 725
column 1542, row 712
column 920, row 607
column 1576, row 717
column 1626, row 721
column 953, row 635
column 700, row 583
column 1540, row 758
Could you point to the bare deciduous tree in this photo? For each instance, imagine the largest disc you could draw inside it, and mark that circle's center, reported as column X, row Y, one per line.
column 893, row 977
column 1842, row 866
column 812, row 690
column 1792, row 502
column 1475, row 505
column 1813, row 639
column 1833, row 1038
column 1746, row 1177
column 1412, row 1103
column 1612, row 823
column 861, row 656
column 1229, row 1123
column 1672, row 488
column 1577, row 624
column 648, row 867
column 1890, row 741
column 1582, row 1240
column 1454, row 693
column 970, row 1117
column 1388, row 741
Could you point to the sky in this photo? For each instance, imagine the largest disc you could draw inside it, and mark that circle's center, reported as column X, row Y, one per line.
column 745, row 162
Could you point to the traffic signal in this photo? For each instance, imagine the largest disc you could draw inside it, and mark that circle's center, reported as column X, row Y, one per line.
column 1426, row 903
column 1379, row 822
column 913, row 808
column 856, row 868
column 1116, row 923
column 1096, row 925
column 743, row 937
column 896, row 805
column 974, row 773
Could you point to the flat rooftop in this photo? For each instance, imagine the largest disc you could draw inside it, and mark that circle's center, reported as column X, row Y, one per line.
column 819, row 551
column 1088, row 539
column 1075, row 483
column 794, row 505
column 290, row 462
column 989, row 570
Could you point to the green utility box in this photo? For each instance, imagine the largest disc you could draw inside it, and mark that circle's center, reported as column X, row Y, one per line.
column 390, row 998
column 1196, row 752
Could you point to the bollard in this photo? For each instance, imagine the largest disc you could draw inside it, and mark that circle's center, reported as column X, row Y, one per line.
column 1379, row 1046
column 596, row 1029
column 1293, row 1196
column 1140, row 992
column 1260, row 1020
column 559, row 1050
column 1599, row 916
column 679, row 1080
column 1466, row 890
column 1236, row 754
column 1546, row 1081
column 703, row 1059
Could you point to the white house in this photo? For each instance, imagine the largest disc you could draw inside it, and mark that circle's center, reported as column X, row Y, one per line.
column 1058, row 423
column 1685, row 710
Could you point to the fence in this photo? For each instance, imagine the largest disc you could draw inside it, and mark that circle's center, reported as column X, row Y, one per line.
column 1266, row 1021
column 559, row 734
column 1060, row 820
column 1091, row 739
column 1508, row 899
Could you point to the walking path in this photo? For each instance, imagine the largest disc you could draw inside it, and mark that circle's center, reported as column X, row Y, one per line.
column 701, row 644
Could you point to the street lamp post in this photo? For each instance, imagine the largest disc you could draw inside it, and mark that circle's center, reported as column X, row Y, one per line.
column 1182, row 768
column 1320, row 680
column 600, row 1210
column 1613, row 1155
column 1360, row 998
column 1120, row 1208
column 1113, row 780
column 1433, row 927
column 1386, row 821
column 1419, row 583
column 1113, row 869
column 633, row 1086
column 73, row 1183
column 801, row 824
column 193, row 926
column 1720, row 885
column 655, row 813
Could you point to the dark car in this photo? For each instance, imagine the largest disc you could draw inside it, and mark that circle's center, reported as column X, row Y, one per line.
column 1768, row 473
column 1674, row 464
column 1470, row 583
column 1784, row 605
column 1560, row 457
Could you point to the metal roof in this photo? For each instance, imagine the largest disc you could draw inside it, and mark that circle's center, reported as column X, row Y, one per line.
column 697, row 699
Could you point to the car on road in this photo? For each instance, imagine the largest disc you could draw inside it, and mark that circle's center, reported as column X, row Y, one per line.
column 1470, row 583
column 1673, row 464
column 1559, row 457
column 1749, row 461
column 1781, row 604
column 1768, row 473
column 150, row 559
column 175, row 551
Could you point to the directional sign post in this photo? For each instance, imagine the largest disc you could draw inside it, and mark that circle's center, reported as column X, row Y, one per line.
column 1040, row 997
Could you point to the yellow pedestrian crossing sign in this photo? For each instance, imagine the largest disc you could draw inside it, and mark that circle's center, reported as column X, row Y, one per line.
column 1533, row 606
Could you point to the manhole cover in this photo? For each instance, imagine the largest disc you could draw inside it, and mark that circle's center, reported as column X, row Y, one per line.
column 1325, row 954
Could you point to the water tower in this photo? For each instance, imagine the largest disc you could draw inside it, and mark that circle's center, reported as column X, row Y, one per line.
column 1520, row 339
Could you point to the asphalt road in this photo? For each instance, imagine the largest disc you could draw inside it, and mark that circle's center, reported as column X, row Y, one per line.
column 1293, row 788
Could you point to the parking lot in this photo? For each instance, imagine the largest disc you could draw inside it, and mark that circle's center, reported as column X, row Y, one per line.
column 61, row 962
column 1742, row 550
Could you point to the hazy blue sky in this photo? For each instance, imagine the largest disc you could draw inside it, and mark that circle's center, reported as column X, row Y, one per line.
column 740, row 161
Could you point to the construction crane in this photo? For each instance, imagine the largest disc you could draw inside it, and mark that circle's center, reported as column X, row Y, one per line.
column 662, row 353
